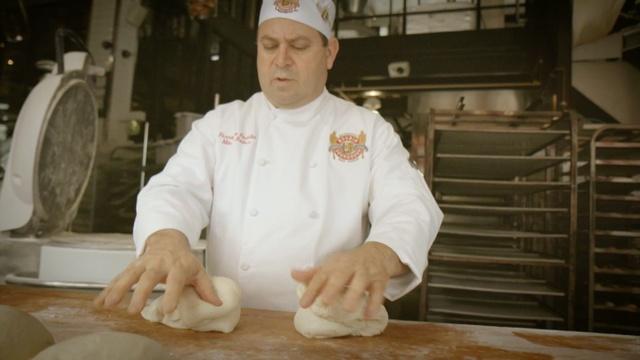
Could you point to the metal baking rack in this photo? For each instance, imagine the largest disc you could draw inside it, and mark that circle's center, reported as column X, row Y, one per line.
column 505, row 254
column 610, row 181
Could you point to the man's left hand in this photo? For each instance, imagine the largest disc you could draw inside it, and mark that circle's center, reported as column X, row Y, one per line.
column 365, row 268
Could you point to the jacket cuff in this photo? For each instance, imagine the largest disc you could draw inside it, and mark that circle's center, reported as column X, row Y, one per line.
column 145, row 225
column 401, row 285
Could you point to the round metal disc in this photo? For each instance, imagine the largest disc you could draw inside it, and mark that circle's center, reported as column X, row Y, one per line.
column 65, row 156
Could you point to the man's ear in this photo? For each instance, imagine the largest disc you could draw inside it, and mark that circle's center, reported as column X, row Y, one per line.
column 332, row 51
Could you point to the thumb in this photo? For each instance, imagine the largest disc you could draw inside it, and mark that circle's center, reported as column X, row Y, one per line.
column 303, row 275
column 204, row 289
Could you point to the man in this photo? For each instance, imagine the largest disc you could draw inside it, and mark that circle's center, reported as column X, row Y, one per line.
column 288, row 183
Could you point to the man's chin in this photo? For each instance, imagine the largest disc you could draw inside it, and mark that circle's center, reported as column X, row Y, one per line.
column 283, row 94
column 284, row 100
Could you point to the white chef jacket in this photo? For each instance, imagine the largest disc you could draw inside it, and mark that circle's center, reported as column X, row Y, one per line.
column 283, row 189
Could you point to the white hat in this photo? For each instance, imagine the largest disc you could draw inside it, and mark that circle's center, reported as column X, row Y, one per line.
column 318, row 14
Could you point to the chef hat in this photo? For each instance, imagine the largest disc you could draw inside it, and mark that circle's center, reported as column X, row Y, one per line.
column 318, row 14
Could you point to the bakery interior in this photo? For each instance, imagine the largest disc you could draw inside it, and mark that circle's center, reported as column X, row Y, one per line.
column 522, row 115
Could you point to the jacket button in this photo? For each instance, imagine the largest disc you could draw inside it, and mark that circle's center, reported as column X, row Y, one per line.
column 313, row 165
column 262, row 162
column 313, row 215
column 253, row 212
column 245, row 267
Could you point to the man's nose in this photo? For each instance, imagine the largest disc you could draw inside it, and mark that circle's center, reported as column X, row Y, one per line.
column 282, row 57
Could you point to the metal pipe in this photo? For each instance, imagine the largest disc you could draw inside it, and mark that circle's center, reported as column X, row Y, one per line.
column 59, row 44
column 420, row 87
column 145, row 143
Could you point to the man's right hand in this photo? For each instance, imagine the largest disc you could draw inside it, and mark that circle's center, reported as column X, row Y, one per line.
column 168, row 259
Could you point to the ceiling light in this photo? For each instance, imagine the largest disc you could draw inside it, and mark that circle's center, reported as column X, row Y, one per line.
column 372, row 93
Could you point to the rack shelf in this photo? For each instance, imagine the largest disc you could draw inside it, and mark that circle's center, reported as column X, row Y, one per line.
column 630, row 308
column 617, row 289
column 461, row 319
column 492, row 285
column 492, row 309
column 502, row 167
column 616, row 251
column 497, row 141
column 491, row 255
column 508, row 210
column 493, row 187
column 616, row 271
column 613, row 215
column 496, row 233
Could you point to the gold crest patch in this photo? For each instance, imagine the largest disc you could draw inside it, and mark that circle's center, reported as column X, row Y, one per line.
column 348, row 147
column 324, row 12
column 287, row 6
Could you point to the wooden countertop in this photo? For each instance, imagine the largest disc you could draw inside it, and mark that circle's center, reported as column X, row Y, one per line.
column 269, row 334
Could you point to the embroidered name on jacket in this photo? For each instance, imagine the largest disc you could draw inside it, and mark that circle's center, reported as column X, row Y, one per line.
column 236, row 138
column 348, row 147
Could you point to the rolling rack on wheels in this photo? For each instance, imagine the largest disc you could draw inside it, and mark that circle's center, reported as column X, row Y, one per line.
column 611, row 173
column 506, row 181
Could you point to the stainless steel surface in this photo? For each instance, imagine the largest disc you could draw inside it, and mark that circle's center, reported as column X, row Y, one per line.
column 32, row 280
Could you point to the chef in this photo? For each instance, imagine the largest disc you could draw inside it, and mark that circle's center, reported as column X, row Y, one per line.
column 295, row 186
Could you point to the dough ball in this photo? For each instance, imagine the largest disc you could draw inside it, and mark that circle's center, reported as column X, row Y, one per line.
column 105, row 346
column 320, row 321
column 196, row 314
column 21, row 335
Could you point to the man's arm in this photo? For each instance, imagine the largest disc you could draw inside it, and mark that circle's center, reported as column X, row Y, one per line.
column 404, row 222
column 167, row 258
column 171, row 212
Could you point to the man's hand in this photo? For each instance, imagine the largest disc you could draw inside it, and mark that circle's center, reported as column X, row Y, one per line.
column 366, row 268
column 167, row 259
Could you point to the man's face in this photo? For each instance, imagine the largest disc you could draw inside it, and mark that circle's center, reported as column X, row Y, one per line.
column 292, row 62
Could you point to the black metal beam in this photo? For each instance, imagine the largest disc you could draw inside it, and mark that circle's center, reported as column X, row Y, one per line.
column 499, row 56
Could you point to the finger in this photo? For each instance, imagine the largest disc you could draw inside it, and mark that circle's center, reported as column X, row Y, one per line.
column 376, row 299
column 303, row 275
column 122, row 285
column 175, row 283
column 354, row 294
column 145, row 286
column 100, row 299
column 334, row 287
column 315, row 286
column 205, row 290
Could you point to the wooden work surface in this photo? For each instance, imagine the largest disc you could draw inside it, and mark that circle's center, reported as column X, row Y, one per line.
column 271, row 334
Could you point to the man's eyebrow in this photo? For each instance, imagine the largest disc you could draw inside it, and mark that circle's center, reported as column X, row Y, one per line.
column 301, row 37
column 267, row 38
column 295, row 39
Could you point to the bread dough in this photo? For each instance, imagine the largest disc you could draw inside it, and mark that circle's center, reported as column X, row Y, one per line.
column 21, row 335
column 106, row 346
column 197, row 314
column 320, row 321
